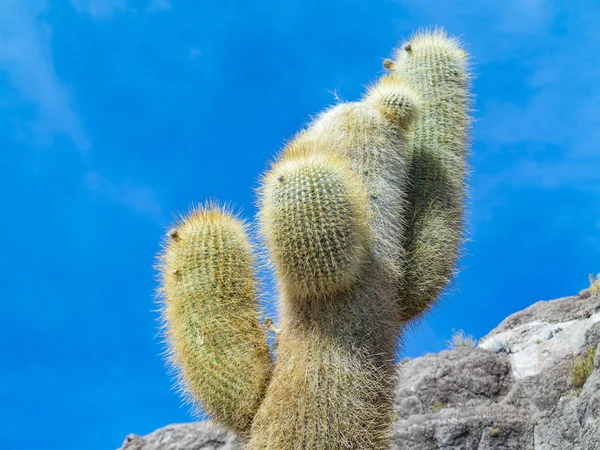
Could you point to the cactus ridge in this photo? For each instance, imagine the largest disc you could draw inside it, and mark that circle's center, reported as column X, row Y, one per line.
column 362, row 218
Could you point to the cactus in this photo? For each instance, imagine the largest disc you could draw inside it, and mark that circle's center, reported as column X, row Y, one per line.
column 594, row 284
column 215, row 338
column 437, row 68
column 315, row 214
column 362, row 216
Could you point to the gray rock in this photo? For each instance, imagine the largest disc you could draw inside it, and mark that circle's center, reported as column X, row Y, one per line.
column 553, row 311
column 480, row 427
column 584, row 293
column 514, row 391
column 187, row 436
column 453, row 378
column 592, row 335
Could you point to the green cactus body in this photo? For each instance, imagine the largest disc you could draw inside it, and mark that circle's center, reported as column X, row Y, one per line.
column 362, row 217
column 216, row 341
column 436, row 68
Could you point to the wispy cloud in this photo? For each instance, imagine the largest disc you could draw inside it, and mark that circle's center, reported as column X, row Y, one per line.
column 496, row 24
column 560, row 114
column 26, row 57
column 160, row 5
column 543, row 49
column 99, row 9
column 105, row 9
column 140, row 199
column 195, row 54
column 552, row 175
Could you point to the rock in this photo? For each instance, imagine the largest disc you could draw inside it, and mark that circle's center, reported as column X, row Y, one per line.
column 514, row 391
column 453, row 378
column 542, row 334
column 592, row 335
column 584, row 293
column 187, row 436
column 476, row 427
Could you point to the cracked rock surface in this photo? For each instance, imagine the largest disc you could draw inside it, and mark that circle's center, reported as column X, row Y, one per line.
column 513, row 391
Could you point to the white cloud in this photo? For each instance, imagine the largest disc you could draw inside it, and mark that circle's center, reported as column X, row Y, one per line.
column 137, row 198
column 26, row 57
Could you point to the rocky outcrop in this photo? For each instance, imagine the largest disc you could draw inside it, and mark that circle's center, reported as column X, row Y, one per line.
column 513, row 391
column 186, row 436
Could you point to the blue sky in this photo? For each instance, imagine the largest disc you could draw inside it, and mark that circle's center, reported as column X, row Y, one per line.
column 114, row 114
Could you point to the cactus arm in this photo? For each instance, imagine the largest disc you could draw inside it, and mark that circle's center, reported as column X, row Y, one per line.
column 216, row 342
column 436, row 69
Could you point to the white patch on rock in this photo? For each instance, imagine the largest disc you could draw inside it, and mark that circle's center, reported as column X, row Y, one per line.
column 534, row 345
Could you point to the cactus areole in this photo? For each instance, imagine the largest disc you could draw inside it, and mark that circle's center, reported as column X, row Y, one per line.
column 362, row 216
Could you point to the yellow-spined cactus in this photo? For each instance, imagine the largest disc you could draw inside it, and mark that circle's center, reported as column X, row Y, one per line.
column 362, row 216
column 314, row 213
column 216, row 341
column 437, row 68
